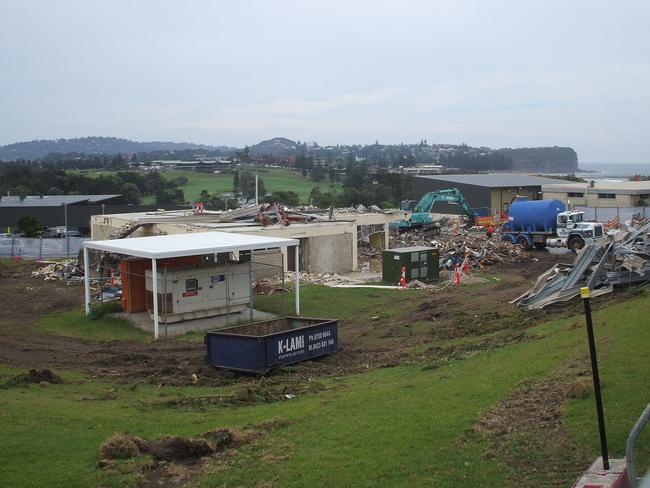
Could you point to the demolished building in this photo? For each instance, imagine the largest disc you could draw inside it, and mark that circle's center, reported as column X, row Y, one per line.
column 329, row 239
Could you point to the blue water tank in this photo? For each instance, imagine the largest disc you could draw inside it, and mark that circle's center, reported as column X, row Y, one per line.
column 534, row 215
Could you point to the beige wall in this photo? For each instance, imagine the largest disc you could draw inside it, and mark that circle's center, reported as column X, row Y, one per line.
column 501, row 197
column 592, row 200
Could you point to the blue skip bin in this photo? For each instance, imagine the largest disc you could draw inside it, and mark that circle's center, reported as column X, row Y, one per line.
column 262, row 346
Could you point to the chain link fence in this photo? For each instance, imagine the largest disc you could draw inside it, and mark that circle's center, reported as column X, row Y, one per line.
column 40, row 247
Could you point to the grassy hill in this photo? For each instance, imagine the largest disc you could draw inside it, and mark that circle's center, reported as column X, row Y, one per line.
column 443, row 425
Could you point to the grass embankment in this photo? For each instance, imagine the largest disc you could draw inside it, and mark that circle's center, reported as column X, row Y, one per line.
column 74, row 323
column 275, row 179
column 401, row 426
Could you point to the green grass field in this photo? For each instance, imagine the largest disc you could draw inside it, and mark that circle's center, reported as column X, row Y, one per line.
column 275, row 179
column 75, row 324
column 400, row 426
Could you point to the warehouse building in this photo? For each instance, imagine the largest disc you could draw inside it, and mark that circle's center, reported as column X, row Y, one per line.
column 601, row 194
column 492, row 192
column 55, row 210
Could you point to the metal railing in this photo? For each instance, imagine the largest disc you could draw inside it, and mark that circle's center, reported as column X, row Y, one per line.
column 631, row 444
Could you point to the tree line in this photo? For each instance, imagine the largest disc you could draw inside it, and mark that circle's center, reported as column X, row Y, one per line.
column 22, row 180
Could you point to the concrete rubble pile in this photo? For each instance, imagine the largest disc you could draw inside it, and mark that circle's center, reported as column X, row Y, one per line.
column 480, row 250
column 57, row 271
column 271, row 285
column 273, row 213
column 623, row 260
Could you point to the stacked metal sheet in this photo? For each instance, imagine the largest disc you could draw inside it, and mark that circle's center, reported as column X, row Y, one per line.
column 623, row 260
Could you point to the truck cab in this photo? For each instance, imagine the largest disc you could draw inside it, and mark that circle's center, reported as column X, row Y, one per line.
column 573, row 232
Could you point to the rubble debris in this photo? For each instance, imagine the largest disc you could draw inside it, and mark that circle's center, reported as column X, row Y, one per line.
column 56, row 271
column 600, row 265
column 272, row 285
column 274, row 213
column 369, row 259
column 479, row 250
column 126, row 230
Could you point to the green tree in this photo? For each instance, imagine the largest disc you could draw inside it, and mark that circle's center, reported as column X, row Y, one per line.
column 168, row 197
column 288, row 198
column 236, row 183
column 247, row 185
column 131, row 193
column 21, row 190
column 318, row 173
column 29, row 226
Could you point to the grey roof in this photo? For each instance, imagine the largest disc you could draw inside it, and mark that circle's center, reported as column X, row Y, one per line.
column 53, row 200
column 495, row 180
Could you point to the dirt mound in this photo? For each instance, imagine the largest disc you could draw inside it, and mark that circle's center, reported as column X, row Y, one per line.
column 44, row 375
column 177, row 459
column 167, row 448
column 525, row 429
column 176, row 449
column 123, row 446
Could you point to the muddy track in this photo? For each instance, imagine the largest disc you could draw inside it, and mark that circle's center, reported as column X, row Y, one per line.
column 363, row 344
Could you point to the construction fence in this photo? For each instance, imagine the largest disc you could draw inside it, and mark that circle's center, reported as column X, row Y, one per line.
column 40, row 247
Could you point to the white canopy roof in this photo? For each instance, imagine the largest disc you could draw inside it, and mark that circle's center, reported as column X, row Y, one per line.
column 172, row 246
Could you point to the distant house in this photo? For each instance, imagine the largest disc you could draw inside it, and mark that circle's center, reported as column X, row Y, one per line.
column 207, row 164
column 423, row 169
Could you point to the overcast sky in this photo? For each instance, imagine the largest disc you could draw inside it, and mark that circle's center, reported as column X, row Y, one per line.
column 493, row 73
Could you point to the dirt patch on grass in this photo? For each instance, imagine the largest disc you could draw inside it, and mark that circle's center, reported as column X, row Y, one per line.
column 437, row 356
column 174, row 460
column 44, row 375
column 261, row 392
column 526, row 431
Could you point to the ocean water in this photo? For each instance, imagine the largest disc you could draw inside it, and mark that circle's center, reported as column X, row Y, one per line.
column 611, row 171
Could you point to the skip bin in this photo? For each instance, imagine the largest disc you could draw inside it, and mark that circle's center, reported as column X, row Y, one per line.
column 420, row 263
column 261, row 346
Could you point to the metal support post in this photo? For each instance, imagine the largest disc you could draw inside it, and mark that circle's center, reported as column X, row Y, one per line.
column 154, row 289
column 297, row 251
column 284, row 289
column 87, row 280
column 165, row 302
column 227, row 289
column 584, row 294
column 250, row 284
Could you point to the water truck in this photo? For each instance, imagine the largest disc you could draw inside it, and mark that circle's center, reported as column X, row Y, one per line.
column 543, row 223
